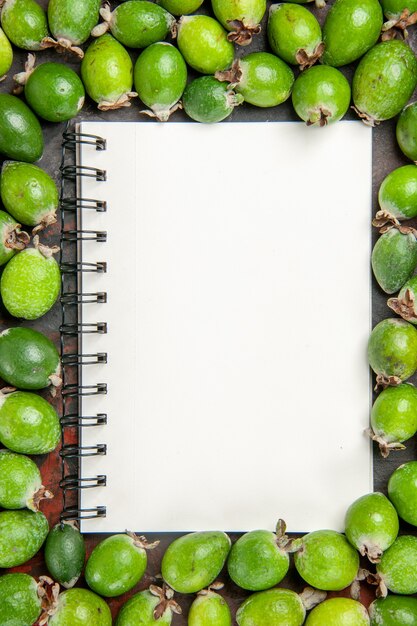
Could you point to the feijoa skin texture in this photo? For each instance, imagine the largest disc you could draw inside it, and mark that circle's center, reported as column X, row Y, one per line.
column 28, row 359
column 22, row 534
column 204, row 45
column 402, row 491
column 209, row 608
column 340, row 612
column 81, row 607
column 20, row 132
column 24, row 23
column 393, row 611
column 384, row 80
column 140, row 610
column 326, row 560
column 257, row 562
column 321, row 95
column 371, row 525
column 28, row 423
column 65, row 554
column 208, row 100
column 20, row 482
column 71, row 21
column 107, row 73
column 275, row 607
column 394, row 259
column 116, row 565
column 20, row 604
column 136, row 23
column 192, row 562
column 241, row 17
column 12, row 238
column 28, row 193
column 351, row 28
column 181, row 7
column 397, row 194
column 6, row 55
column 294, row 34
column 392, row 350
column 407, row 131
column 398, row 567
column 394, row 417
column 160, row 76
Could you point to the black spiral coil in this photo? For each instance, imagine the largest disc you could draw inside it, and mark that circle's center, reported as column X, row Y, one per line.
column 72, row 206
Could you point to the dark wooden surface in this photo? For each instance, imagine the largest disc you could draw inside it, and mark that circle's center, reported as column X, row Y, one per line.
column 386, row 156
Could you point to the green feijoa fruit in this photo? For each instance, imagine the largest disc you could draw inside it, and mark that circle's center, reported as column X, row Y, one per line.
column 407, row 133
column 160, row 76
column 261, row 78
column 28, row 359
column 397, row 569
column 276, row 607
column 20, row 604
column 107, row 73
column 31, row 282
column 208, row 100
column 209, row 609
column 71, row 22
column 371, row 525
column 22, row 534
column 392, row 351
column 326, row 560
column 20, row 132
column 340, row 612
column 28, row 423
column 351, row 28
column 258, row 560
column 79, row 607
column 153, row 606
column 20, row 482
column 204, row 45
column 394, row 417
column 192, row 562
column 6, row 55
column 241, row 17
column 24, row 23
column 136, row 23
column 29, row 194
column 65, row 554
column 400, row 14
column 53, row 90
column 397, row 195
column 394, row 257
column 181, row 7
column 12, row 239
column 393, row 611
column 294, row 34
column 117, row 564
column 384, row 80
column 402, row 491
column 321, row 95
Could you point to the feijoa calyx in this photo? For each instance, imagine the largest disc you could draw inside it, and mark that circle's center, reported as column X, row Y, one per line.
column 240, row 17
column 392, row 351
column 394, row 257
column 20, row 132
column 20, row 482
column 12, row 238
column 65, row 553
column 405, row 303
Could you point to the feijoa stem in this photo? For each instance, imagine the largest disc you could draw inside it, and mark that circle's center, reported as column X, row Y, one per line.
column 16, row 239
column 242, row 33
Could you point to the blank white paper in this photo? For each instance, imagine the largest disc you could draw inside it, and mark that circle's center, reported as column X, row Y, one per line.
column 238, row 312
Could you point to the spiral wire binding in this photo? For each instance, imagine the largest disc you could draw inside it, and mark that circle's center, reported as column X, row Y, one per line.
column 71, row 331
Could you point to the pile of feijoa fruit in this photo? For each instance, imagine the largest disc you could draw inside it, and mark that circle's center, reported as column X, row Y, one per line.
column 157, row 58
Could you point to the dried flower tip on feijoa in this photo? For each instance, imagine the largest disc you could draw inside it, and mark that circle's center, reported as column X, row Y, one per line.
column 405, row 303
column 21, row 135
column 208, row 100
column 400, row 14
column 392, row 351
column 77, row 607
column 240, row 17
column 397, row 570
column 155, row 605
column 19, row 599
column 65, row 553
column 394, row 417
column 22, row 534
column 71, row 22
column 6, row 55
column 24, row 23
column 12, row 238
column 20, row 482
column 407, row 132
column 393, row 611
column 204, row 45
column 394, row 257
column 343, row 611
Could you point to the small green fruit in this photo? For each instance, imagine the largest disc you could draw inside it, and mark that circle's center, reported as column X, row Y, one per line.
column 192, row 562
column 384, row 81
column 321, row 95
column 371, row 525
column 24, row 23
column 153, row 606
column 209, row 609
column 393, row 611
column 6, row 55
column 80, row 607
column 29, row 194
column 28, row 423
column 22, row 534
column 394, row 257
column 397, row 195
column 12, row 239
column 208, row 100
column 398, row 567
column 392, row 351
column 20, row 132
column 107, row 73
column 402, row 491
column 241, row 17
column 117, row 564
column 20, row 603
column 160, row 76
column 71, row 22
column 204, row 45
column 276, row 607
column 407, row 133
column 65, row 554
column 28, row 359
column 181, row 7
column 20, row 482
column 394, row 417
column 338, row 612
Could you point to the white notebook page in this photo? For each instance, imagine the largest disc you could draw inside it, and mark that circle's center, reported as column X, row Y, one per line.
column 238, row 313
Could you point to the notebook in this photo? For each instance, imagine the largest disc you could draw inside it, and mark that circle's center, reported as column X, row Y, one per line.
column 234, row 324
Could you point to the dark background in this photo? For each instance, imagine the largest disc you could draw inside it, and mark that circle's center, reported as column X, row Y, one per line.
column 386, row 156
